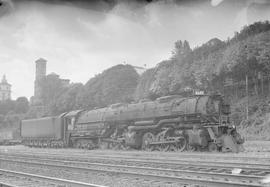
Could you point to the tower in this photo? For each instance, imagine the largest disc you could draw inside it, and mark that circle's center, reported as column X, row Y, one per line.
column 5, row 89
column 40, row 68
column 40, row 75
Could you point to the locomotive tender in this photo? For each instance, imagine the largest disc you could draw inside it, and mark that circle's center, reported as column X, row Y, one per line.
column 170, row 123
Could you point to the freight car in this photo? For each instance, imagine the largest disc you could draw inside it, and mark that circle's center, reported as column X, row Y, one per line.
column 170, row 123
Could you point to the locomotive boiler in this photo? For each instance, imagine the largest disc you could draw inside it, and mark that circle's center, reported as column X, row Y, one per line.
column 170, row 123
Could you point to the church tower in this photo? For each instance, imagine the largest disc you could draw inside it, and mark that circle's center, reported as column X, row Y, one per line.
column 5, row 89
column 40, row 75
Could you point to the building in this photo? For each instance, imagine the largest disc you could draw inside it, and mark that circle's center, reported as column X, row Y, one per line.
column 41, row 75
column 5, row 89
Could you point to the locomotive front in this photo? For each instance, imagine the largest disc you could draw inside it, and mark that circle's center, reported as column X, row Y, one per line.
column 204, row 122
column 224, row 136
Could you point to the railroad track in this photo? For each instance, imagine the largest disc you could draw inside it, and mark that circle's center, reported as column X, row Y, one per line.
column 127, row 159
column 150, row 155
column 27, row 179
column 176, row 157
column 179, row 164
column 184, row 176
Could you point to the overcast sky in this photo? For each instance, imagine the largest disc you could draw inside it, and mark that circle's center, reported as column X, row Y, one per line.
column 81, row 39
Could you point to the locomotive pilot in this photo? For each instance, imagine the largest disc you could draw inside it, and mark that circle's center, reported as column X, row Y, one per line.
column 232, row 141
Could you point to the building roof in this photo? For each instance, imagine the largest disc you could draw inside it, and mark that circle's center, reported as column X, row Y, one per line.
column 41, row 60
column 53, row 75
column 4, row 81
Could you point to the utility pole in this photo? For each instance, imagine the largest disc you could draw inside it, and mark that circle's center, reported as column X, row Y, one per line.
column 246, row 53
column 247, row 95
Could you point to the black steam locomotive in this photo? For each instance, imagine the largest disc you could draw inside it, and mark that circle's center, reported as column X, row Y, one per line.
column 170, row 123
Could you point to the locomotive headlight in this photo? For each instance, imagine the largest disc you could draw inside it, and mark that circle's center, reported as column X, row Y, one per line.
column 225, row 109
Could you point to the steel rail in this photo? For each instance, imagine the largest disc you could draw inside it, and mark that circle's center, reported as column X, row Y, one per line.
column 128, row 166
column 4, row 184
column 178, row 162
column 50, row 179
column 244, row 164
column 173, row 161
column 220, row 178
column 150, row 154
column 219, row 157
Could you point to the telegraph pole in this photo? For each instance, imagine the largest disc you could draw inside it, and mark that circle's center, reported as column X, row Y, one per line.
column 247, row 95
column 246, row 53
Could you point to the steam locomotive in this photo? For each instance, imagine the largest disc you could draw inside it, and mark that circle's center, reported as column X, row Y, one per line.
column 170, row 123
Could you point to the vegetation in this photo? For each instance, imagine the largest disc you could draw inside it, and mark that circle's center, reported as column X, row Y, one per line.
column 11, row 112
column 207, row 67
column 19, row 106
column 223, row 67
column 116, row 84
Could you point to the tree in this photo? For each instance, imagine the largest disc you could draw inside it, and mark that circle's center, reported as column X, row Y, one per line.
column 67, row 101
column 21, row 105
column 6, row 106
column 116, row 84
column 181, row 49
column 251, row 30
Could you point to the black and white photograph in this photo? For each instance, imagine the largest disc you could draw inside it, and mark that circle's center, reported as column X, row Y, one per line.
column 134, row 93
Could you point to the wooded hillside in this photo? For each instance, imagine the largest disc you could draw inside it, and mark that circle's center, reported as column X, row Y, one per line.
column 210, row 66
column 227, row 67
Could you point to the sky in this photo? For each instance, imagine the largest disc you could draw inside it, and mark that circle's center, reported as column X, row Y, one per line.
column 80, row 39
